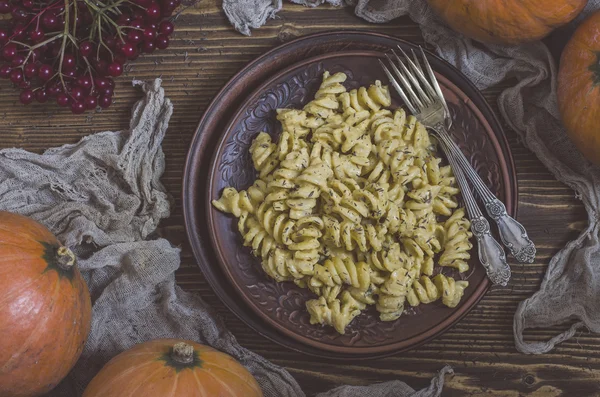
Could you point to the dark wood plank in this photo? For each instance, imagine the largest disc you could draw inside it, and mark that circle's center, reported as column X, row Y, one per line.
column 204, row 54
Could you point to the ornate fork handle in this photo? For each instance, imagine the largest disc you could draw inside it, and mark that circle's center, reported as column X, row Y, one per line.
column 491, row 253
column 512, row 233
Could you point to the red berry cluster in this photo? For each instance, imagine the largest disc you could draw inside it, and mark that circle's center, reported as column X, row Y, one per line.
column 69, row 50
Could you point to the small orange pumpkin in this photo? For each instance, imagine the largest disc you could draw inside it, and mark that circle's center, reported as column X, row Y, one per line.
column 506, row 21
column 579, row 87
column 173, row 368
column 45, row 308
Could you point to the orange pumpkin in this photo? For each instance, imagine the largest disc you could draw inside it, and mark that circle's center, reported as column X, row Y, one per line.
column 173, row 368
column 579, row 87
column 45, row 308
column 506, row 21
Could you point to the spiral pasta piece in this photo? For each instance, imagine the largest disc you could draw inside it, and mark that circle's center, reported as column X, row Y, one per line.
column 264, row 154
column 338, row 313
column 233, row 202
column 457, row 245
column 423, row 291
column 339, row 271
column 450, row 290
column 325, row 103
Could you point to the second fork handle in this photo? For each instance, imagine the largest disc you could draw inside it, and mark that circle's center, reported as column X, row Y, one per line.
column 512, row 233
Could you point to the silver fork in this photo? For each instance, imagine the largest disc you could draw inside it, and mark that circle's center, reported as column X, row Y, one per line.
column 430, row 107
column 434, row 113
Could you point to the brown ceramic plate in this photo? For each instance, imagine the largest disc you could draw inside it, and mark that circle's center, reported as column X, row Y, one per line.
column 218, row 115
column 282, row 305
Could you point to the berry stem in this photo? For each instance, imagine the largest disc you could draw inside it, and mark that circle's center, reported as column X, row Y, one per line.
column 64, row 45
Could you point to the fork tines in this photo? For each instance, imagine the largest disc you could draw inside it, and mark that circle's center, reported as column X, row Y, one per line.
column 411, row 77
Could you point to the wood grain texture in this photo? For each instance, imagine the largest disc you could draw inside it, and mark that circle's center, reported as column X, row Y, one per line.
column 204, row 53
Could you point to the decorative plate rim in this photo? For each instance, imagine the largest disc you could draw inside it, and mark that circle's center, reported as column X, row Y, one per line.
column 208, row 129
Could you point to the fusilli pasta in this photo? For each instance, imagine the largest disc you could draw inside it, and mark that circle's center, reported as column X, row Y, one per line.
column 352, row 203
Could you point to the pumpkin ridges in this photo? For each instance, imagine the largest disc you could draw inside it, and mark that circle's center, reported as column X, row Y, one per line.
column 223, row 384
column 144, row 381
column 8, row 293
column 35, row 332
column 41, row 342
column 128, row 372
column 175, row 386
column 193, row 380
column 200, row 385
column 209, row 364
column 504, row 22
column 578, row 94
column 42, row 234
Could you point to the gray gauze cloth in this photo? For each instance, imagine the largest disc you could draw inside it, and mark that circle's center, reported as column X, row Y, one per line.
column 102, row 197
column 571, row 286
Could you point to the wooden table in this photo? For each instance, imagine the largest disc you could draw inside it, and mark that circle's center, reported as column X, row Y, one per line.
column 205, row 52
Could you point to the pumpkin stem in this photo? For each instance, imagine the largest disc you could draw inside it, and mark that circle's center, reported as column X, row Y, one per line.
column 65, row 259
column 182, row 353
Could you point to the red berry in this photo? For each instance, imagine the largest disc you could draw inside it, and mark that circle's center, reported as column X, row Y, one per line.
column 68, row 62
column 41, row 96
column 4, row 7
column 166, row 28
column 108, row 91
column 120, row 58
column 109, row 42
column 137, row 23
column 54, row 90
column 9, row 51
column 5, row 71
column 90, row 102
column 100, row 65
column 30, row 70
column 124, row 19
column 129, row 50
column 18, row 29
column 149, row 33
column 148, row 47
column 168, row 6
column 17, row 60
column 19, row 14
column 139, row 14
column 115, row 69
column 3, row 37
column 161, row 41
column 45, row 72
column 104, row 101
column 62, row 100
column 69, row 73
column 153, row 12
column 101, row 83
column 84, row 82
column 86, row 48
column 77, row 93
column 25, row 84
column 77, row 107
column 54, row 49
column 26, row 97
column 28, row 4
column 16, row 76
column 134, row 36
column 36, row 35
column 49, row 20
